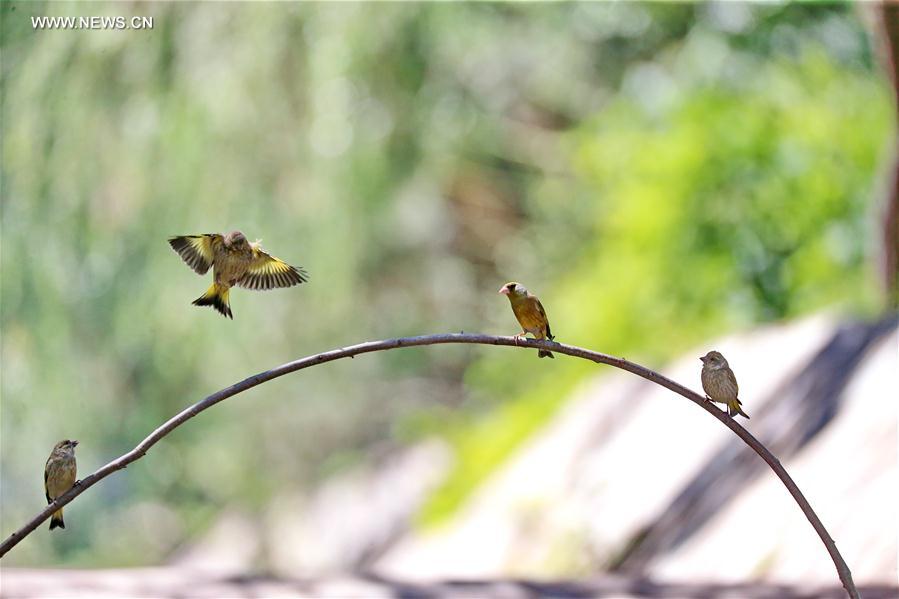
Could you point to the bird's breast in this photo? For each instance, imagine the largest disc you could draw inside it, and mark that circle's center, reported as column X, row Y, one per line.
column 528, row 315
column 231, row 267
column 717, row 384
column 60, row 476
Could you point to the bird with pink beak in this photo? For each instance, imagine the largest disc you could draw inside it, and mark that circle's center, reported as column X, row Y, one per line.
column 530, row 314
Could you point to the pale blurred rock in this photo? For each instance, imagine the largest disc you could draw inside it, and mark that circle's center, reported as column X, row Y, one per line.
column 230, row 546
column 340, row 527
column 849, row 475
column 622, row 452
column 353, row 517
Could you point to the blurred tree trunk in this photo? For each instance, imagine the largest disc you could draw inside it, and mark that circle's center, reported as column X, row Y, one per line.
column 884, row 28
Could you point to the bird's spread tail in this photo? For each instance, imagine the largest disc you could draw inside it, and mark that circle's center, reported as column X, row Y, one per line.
column 542, row 353
column 56, row 520
column 217, row 297
column 733, row 408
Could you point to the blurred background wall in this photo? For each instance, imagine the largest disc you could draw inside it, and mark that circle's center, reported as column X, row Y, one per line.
column 660, row 174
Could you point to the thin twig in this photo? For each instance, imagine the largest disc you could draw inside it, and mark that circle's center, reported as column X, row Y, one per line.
column 373, row 346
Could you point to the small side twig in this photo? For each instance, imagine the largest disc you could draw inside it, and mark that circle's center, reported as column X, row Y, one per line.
column 372, row 346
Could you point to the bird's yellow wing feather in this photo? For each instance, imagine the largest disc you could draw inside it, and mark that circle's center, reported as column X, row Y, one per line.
column 268, row 272
column 198, row 251
column 540, row 309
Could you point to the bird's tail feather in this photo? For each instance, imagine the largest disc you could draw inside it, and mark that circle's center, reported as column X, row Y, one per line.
column 734, row 408
column 217, row 297
column 56, row 520
column 542, row 353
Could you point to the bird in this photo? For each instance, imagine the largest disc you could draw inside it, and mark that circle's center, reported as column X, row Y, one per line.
column 530, row 314
column 234, row 261
column 720, row 384
column 59, row 476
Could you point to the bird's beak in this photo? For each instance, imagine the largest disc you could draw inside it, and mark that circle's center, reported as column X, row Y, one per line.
column 504, row 290
column 74, row 443
column 702, row 359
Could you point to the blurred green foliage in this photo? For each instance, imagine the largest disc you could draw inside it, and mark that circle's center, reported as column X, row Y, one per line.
column 658, row 174
column 724, row 195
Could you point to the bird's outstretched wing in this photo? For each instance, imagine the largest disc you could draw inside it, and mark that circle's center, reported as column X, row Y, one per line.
column 198, row 251
column 268, row 272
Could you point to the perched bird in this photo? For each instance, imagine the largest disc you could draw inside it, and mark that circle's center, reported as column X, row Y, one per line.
column 530, row 314
column 234, row 261
column 719, row 382
column 59, row 476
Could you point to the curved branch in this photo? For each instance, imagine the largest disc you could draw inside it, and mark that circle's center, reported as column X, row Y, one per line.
column 373, row 346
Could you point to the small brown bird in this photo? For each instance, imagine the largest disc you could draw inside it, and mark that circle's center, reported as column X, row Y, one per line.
column 530, row 314
column 720, row 384
column 59, row 476
column 234, row 261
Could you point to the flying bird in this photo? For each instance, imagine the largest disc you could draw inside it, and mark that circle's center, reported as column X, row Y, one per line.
column 234, row 261
column 59, row 476
column 530, row 314
column 720, row 384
